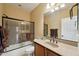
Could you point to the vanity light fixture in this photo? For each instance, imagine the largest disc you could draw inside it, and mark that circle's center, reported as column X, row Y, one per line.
column 48, row 6
column 56, row 8
column 52, row 10
column 62, row 5
column 52, row 4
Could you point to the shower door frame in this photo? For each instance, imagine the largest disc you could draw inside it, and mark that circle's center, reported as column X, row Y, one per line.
column 3, row 18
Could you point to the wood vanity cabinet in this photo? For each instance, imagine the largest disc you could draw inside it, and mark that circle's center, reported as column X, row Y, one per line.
column 39, row 50
column 42, row 51
column 50, row 53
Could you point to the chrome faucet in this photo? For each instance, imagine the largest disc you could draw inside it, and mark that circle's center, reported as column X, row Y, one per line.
column 53, row 40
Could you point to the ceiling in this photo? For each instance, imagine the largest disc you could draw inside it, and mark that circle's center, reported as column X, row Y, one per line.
column 28, row 6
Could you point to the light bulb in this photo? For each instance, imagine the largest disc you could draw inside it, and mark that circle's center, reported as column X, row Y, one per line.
column 62, row 5
column 56, row 8
column 48, row 6
column 52, row 10
column 52, row 4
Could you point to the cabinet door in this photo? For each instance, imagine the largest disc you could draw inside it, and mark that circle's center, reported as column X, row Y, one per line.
column 39, row 50
column 51, row 53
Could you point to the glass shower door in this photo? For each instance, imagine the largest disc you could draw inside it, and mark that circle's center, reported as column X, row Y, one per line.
column 19, row 32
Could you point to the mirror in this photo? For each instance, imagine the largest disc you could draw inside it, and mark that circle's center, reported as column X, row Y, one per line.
column 54, row 20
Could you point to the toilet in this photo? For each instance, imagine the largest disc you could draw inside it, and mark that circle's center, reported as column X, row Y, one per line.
column 29, row 50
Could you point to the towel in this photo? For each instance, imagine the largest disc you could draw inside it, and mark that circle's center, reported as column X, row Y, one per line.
column 1, row 38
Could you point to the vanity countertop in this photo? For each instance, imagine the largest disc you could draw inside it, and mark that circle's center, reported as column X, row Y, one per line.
column 62, row 49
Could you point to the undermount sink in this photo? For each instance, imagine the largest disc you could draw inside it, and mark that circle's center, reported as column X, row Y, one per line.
column 52, row 44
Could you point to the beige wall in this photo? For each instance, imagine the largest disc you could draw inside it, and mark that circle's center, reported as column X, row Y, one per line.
column 1, row 14
column 54, row 20
column 16, row 12
column 37, row 16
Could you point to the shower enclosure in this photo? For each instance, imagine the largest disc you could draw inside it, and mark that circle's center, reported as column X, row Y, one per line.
column 19, row 31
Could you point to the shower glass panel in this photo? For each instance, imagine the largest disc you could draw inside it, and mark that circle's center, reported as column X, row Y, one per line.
column 18, row 31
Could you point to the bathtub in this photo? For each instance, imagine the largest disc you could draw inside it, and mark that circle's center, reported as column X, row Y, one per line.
column 17, row 46
column 17, row 49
